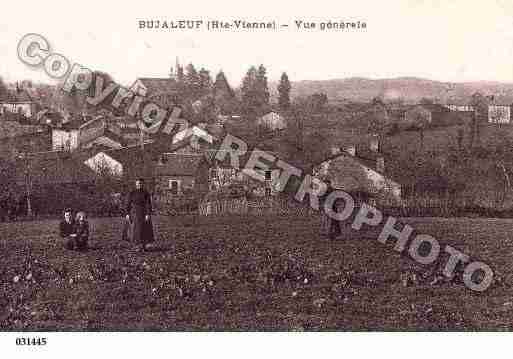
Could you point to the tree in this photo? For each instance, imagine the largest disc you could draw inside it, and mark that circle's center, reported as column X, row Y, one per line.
column 222, row 87
column 73, row 101
column 224, row 97
column 27, row 84
column 180, row 75
column 192, row 81
column 205, row 82
column 249, row 100
column 480, row 115
column 296, row 129
column 284, row 92
column 255, row 93
column 377, row 120
column 314, row 148
column 262, row 88
column 420, row 118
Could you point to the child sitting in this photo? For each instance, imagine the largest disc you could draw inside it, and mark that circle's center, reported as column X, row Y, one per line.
column 81, row 231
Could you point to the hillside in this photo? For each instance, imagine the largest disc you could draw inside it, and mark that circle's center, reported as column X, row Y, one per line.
column 411, row 89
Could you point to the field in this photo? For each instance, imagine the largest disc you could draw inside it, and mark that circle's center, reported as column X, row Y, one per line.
column 245, row 273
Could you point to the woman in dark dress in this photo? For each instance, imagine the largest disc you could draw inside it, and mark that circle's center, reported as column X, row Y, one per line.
column 81, row 232
column 138, row 212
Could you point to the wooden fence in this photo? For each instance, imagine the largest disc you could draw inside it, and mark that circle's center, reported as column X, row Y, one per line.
column 265, row 206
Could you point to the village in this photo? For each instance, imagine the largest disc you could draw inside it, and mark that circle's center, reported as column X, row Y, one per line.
column 408, row 157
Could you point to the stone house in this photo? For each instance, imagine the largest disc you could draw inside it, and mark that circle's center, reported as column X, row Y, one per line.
column 359, row 170
column 272, row 121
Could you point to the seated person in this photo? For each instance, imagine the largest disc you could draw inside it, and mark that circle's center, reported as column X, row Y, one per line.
column 81, row 231
column 67, row 226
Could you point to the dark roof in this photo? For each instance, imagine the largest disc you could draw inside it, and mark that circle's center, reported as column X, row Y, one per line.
column 159, row 85
column 139, row 162
column 114, row 136
column 107, row 130
column 70, row 125
column 135, row 161
column 173, row 164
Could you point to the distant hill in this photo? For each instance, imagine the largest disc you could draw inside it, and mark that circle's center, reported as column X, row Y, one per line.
column 411, row 89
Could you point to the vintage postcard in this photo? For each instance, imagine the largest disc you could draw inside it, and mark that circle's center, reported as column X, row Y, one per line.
column 253, row 167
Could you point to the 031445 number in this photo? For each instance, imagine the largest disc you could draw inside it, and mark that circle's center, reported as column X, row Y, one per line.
column 30, row 341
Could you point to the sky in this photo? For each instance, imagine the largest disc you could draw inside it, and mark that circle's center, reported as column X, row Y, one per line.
column 454, row 41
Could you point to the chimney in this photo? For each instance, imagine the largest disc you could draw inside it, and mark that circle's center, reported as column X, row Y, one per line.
column 380, row 164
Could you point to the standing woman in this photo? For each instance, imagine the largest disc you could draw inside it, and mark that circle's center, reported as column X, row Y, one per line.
column 334, row 229
column 138, row 212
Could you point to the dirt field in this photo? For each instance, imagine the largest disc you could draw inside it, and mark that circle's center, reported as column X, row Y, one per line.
column 241, row 273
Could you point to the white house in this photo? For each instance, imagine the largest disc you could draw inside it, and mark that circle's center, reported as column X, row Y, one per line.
column 272, row 121
column 65, row 139
column 102, row 161
column 26, row 109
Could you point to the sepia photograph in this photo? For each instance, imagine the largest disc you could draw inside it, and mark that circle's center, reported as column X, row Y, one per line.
column 249, row 168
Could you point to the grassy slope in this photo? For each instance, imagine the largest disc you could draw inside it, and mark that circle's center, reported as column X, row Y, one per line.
column 244, row 273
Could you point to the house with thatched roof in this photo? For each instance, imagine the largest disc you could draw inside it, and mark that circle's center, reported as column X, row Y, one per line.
column 361, row 172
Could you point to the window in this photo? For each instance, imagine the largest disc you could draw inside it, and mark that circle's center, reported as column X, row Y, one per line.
column 174, row 186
